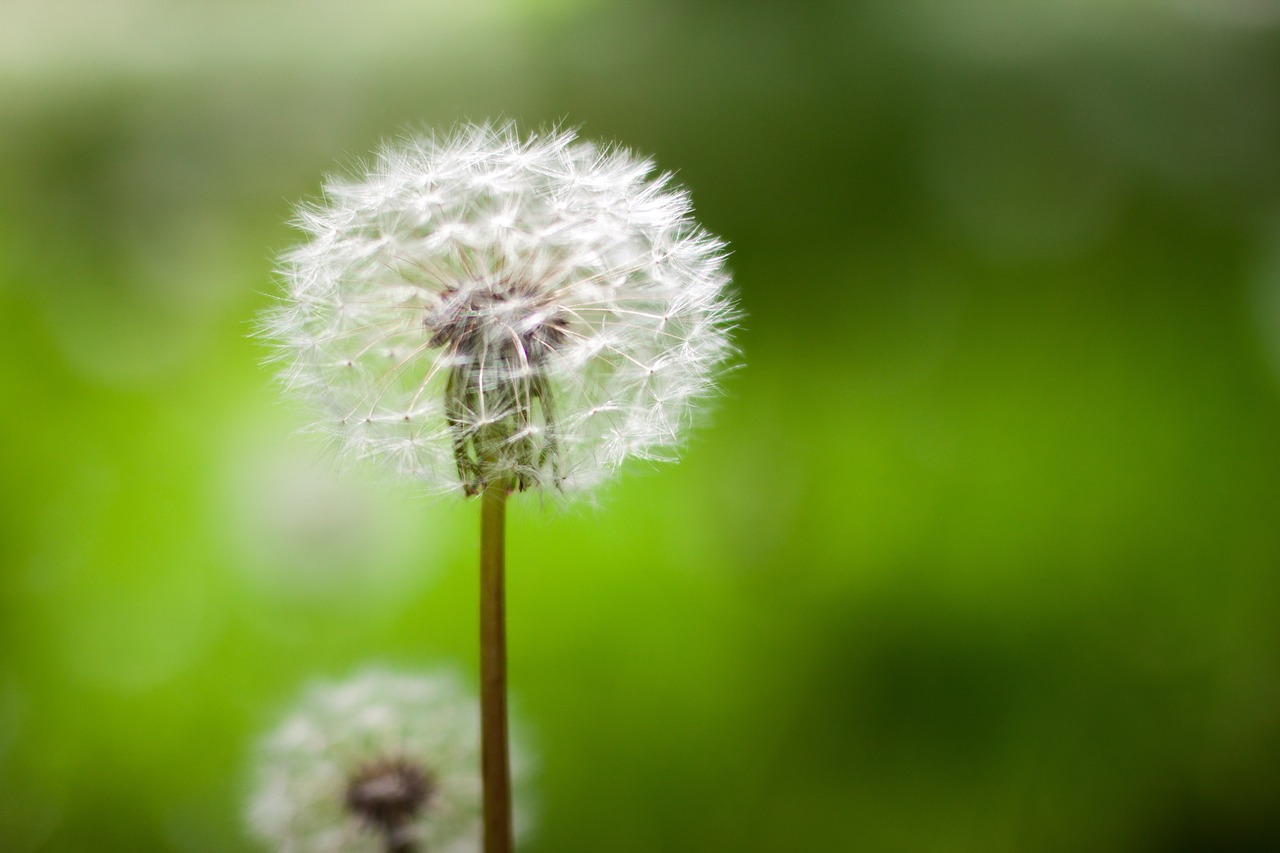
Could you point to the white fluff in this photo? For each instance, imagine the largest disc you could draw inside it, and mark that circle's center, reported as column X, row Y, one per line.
column 484, row 306
column 306, row 767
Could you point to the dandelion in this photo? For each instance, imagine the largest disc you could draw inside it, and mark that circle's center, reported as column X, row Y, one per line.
column 489, row 313
column 488, row 308
column 382, row 763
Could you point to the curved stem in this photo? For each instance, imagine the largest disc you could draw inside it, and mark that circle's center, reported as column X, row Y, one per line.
column 495, row 764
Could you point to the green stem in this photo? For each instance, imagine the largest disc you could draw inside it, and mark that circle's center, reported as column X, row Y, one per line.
column 495, row 763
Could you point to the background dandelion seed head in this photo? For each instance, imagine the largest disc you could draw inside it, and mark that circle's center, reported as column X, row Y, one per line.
column 376, row 752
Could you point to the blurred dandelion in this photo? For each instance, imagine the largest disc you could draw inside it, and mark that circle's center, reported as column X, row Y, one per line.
column 382, row 763
column 489, row 313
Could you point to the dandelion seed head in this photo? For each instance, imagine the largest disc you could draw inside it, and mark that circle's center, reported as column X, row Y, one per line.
column 380, row 762
column 489, row 307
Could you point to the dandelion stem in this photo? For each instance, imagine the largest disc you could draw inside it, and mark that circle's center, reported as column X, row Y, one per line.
column 400, row 842
column 495, row 764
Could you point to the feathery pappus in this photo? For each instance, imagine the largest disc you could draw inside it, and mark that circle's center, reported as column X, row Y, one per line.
column 485, row 307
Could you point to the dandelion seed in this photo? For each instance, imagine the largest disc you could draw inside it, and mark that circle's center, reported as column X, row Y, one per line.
column 485, row 307
column 382, row 763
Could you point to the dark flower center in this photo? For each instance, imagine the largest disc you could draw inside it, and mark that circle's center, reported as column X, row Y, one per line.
column 505, row 324
column 389, row 793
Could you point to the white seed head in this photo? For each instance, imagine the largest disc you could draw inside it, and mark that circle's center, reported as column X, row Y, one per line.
column 382, row 762
column 486, row 307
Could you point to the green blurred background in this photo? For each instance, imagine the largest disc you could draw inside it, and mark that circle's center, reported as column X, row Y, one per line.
column 979, row 551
